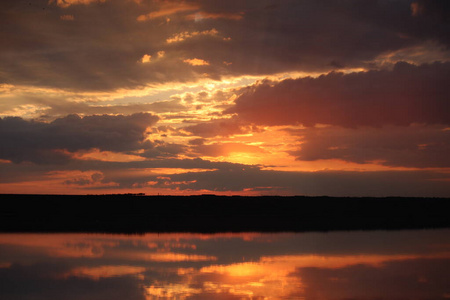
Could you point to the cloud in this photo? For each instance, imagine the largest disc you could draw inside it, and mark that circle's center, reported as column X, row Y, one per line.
column 419, row 278
column 67, row 3
column 168, row 8
column 163, row 150
column 182, row 36
column 204, row 15
column 407, row 94
column 331, row 183
column 219, row 127
column 196, row 62
column 107, row 271
column 49, row 142
column 414, row 146
column 146, row 58
column 67, row 17
column 26, row 282
column 90, row 54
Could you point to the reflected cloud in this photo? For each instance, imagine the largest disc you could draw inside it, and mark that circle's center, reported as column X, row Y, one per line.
column 389, row 265
column 96, row 273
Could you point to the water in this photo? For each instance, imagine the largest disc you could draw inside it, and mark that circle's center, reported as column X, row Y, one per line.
column 336, row 265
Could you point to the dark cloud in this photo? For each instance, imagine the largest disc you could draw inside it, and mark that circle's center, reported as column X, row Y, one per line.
column 85, row 180
column 411, row 279
column 226, row 176
column 44, row 142
column 161, row 150
column 65, row 107
column 102, row 47
column 414, row 146
column 407, row 94
column 312, row 35
column 52, row 106
column 35, row 282
column 220, row 127
column 332, row 183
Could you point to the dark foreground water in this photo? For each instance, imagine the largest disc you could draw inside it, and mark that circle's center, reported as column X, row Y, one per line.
column 337, row 265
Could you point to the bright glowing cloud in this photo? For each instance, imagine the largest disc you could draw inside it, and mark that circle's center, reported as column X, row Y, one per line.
column 67, row 3
column 182, row 36
column 196, row 62
column 146, row 58
column 168, row 8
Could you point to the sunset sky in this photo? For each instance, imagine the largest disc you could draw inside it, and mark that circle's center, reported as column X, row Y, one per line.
column 250, row 97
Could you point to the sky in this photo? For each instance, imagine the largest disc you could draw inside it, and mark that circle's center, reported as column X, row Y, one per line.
column 254, row 97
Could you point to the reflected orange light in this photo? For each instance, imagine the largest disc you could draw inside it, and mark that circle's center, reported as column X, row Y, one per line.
column 97, row 273
column 171, row 257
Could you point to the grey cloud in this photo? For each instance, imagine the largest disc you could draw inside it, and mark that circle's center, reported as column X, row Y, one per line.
column 313, row 35
column 41, row 142
column 239, row 177
column 102, row 47
column 27, row 282
column 415, row 146
column 63, row 108
column 86, row 180
column 410, row 279
column 52, row 106
column 220, row 127
column 112, row 171
column 407, row 94
column 99, row 50
column 161, row 150
column 331, row 183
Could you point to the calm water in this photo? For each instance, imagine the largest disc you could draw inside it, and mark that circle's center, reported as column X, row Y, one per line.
column 337, row 265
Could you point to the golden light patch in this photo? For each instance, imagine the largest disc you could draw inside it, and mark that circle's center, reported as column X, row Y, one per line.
column 167, row 171
column 146, row 58
column 196, row 62
column 67, row 3
column 205, row 15
column 167, row 9
column 182, row 36
column 161, row 54
column 167, row 257
column 170, row 291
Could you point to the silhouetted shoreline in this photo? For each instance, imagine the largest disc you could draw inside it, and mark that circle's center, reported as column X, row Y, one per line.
column 132, row 213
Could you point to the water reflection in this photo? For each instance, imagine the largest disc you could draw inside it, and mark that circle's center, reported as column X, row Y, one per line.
column 338, row 265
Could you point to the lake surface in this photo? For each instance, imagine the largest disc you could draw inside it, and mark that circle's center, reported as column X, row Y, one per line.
column 336, row 265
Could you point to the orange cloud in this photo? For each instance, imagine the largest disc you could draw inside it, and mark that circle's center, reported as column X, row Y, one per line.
column 67, row 3
column 206, row 15
column 164, row 256
column 97, row 273
column 179, row 37
column 146, row 58
column 196, row 62
column 167, row 9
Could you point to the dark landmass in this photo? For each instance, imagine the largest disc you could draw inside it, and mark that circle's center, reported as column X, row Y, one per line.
column 208, row 213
